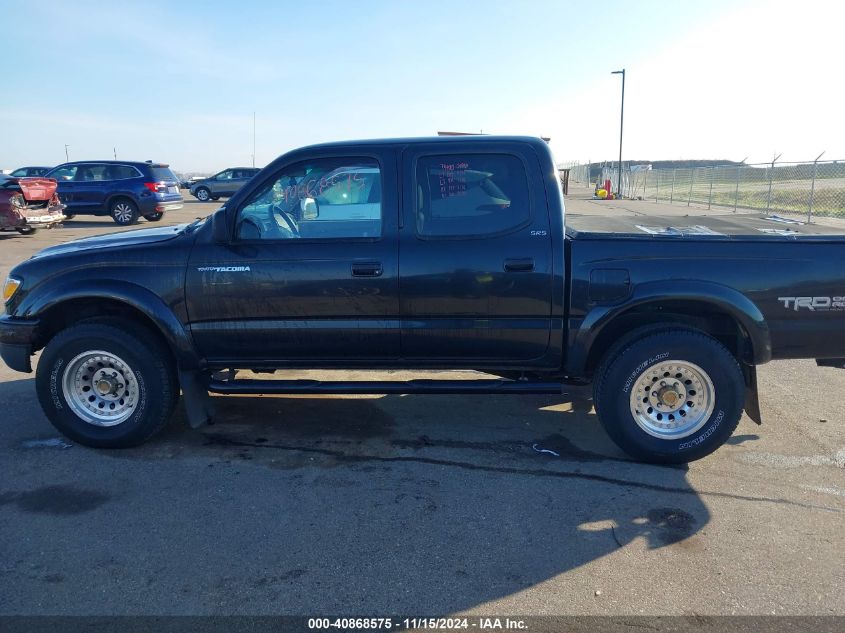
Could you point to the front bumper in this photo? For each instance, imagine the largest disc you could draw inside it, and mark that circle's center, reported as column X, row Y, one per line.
column 17, row 337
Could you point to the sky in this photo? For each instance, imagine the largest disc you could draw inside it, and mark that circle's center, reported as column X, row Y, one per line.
column 179, row 82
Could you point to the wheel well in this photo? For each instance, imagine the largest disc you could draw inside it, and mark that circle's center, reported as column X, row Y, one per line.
column 694, row 314
column 74, row 311
column 119, row 196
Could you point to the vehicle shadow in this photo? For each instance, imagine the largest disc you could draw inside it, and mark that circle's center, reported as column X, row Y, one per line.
column 106, row 223
column 299, row 505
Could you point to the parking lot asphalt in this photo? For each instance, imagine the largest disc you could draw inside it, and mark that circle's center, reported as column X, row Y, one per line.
column 419, row 505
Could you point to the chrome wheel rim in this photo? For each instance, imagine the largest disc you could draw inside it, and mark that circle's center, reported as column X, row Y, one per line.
column 672, row 399
column 202, row 194
column 122, row 212
column 100, row 388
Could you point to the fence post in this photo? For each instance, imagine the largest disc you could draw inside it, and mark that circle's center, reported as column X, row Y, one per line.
column 736, row 193
column 771, row 174
column 672, row 193
column 657, row 188
column 710, row 197
column 813, row 189
column 691, row 180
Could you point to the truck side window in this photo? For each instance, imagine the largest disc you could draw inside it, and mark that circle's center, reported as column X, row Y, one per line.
column 471, row 195
column 330, row 198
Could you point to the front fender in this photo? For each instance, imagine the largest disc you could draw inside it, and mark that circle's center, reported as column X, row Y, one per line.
column 713, row 295
column 141, row 299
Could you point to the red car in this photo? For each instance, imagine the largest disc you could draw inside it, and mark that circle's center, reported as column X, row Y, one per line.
column 27, row 204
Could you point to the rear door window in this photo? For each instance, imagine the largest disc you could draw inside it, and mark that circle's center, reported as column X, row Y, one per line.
column 471, row 195
column 91, row 172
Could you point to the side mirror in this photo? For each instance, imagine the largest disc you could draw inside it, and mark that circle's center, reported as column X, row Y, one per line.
column 219, row 227
column 309, row 209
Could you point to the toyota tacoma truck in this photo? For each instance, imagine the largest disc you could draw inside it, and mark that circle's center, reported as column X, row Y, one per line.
column 446, row 253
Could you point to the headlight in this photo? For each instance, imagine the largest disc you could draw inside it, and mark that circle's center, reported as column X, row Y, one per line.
column 10, row 287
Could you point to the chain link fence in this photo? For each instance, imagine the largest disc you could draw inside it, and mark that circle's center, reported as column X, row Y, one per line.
column 808, row 189
column 577, row 172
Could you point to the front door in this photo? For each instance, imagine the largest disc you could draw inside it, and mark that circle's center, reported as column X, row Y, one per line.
column 310, row 276
column 475, row 256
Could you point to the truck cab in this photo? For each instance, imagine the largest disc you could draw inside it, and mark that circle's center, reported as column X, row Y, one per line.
column 474, row 246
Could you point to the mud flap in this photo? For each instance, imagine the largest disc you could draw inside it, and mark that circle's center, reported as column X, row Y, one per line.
column 198, row 406
column 752, row 400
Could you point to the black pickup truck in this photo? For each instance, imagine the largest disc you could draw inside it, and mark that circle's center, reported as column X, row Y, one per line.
column 446, row 253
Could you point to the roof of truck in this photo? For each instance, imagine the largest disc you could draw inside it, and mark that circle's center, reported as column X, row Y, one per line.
column 474, row 138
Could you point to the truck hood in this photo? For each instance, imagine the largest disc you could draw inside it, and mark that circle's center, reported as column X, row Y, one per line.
column 35, row 189
column 115, row 240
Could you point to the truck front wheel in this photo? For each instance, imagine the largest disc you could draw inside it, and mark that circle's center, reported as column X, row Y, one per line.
column 670, row 396
column 105, row 386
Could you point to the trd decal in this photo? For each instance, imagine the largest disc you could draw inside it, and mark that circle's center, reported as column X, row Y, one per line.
column 814, row 304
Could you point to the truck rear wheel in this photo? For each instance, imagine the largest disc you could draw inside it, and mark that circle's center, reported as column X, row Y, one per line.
column 106, row 387
column 670, row 396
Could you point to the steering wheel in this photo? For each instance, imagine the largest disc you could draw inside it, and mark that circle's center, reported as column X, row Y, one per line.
column 287, row 224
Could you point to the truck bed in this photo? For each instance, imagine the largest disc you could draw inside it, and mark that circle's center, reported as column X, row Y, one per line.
column 711, row 227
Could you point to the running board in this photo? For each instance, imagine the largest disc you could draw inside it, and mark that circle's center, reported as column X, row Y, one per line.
column 378, row 387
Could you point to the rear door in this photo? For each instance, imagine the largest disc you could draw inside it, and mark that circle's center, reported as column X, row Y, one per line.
column 475, row 256
column 308, row 278
column 239, row 179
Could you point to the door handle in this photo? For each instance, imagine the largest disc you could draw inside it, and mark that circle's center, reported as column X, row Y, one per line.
column 367, row 269
column 519, row 265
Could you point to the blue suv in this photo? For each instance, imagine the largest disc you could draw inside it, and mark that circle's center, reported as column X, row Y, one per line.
column 123, row 190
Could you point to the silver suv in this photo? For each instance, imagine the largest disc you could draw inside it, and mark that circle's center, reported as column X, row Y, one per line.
column 226, row 183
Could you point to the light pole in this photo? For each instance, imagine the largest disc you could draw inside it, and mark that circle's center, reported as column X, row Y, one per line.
column 67, row 159
column 621, row 121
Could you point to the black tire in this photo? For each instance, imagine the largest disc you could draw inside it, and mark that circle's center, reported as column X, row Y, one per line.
column 202, row 194
column 156, row 389
column 123, row 211
column 626, row 368
column 26, row 230
column 154, row 217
